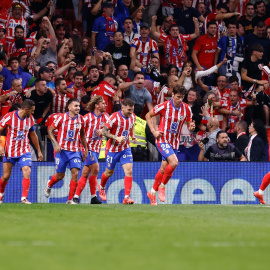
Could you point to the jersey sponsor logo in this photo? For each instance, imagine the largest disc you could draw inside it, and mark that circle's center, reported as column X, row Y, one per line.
column 174, row 127
column 125, row 134
column 117, row 56
column 20, row 136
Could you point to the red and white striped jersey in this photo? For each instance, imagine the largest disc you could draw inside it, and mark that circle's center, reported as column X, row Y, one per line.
column 171, row 121
column 11, row 47
column 144, row 2
column 119, row 126
column 241, row 7
column 175, row 49
column 146, row 50
column 59, row 104
column 222, row 95
column 94, row 123
column 49, row 121
column 79, row 92
column 107, row 91
column 163, row 95
column 17, row 142
column 221, row 24
column 6, row 104
column 69, row 129
column 11, row 23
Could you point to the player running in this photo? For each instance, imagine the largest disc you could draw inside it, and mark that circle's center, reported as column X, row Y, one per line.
column 71, row 129
column 118, row 128
column 173, row 114
column 94, row 122
column 19, row 124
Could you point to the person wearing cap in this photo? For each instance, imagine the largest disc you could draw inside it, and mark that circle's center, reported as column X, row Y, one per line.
column 46, row 74
column 15, row 73
column 104, row 27
column 144, row 47
column 16, row 17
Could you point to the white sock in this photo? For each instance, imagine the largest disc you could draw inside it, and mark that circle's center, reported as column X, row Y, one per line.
column 76, row 196
column 126, row 196
column 23, row 198
column 2, row 194
column 162, row 185
column 261, row 192
column 153, row 192
column 93, row 196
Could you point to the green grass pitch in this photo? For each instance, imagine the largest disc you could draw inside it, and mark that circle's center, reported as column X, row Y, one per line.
column 57, row 236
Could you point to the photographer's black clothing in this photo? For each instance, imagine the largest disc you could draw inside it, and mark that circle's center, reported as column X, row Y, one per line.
column 230, row 153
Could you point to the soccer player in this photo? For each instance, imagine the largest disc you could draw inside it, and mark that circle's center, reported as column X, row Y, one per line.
column 19, row 124
column 94, row 122
column 173, row 114
column 71, row 129
column 118, row 128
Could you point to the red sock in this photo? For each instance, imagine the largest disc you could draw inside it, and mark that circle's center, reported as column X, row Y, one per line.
column 81, row 185
column 2, row 185
column 25, row 186
column 167, row 174
column 265, row 181
column 158, row 179
column 93, row 184
column 72, row 189
column 128, row 184
column 53, row 181
column 104, row 180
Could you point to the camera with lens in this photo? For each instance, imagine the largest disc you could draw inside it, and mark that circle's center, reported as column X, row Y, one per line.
column 150, row 68
column 205, row 141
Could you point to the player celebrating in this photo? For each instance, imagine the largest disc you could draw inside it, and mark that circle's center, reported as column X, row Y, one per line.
column 94, row 122
column 19, row 124
column 173, row 114
column 71, row 129
column 118, row 128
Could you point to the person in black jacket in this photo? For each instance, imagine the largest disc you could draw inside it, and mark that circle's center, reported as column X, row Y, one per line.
column 256, row 149
column 242, row 139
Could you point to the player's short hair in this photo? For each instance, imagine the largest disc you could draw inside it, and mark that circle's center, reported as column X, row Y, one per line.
column 179, row 89
column 94, row 100
column 39, row 80
column 85, row 99
column 128, row 102
column 19, row 27
column 27, row 104
column 72, row 100
column 221, row 132
column 257, row 47
column 211, row 23
column 233, row 79
column 2, row 79
column 78, row 74
column 15, row 80
column 58, row 81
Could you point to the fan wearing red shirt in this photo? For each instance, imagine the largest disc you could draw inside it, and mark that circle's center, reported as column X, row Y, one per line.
column 173, row 114
column 204, row 49
column 175, row 44
column 107, row 91
column 78, row 91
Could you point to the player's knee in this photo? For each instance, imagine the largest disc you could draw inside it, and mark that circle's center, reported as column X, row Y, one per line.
column 60, row 176
column 128, row 172
column 26, row 172
column 5, row 177
column 174, row 164
column 94, row 171
column 75, row 174
column 108, row 173
column 162, row 170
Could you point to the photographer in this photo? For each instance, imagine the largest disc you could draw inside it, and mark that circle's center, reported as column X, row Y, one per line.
column 222, row 150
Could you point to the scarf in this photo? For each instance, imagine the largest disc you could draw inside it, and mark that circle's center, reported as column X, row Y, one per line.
column 110, row 26
column 233, row 63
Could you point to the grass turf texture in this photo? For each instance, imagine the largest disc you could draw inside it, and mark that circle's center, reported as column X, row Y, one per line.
column 55, row 236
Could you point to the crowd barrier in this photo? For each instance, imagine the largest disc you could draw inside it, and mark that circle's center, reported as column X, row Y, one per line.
column 191, row 183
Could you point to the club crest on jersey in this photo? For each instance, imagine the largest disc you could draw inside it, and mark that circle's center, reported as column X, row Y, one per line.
column 167, row 151
column 174, row 127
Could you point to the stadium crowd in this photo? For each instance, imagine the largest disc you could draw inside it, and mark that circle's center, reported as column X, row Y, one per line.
column 52, row 51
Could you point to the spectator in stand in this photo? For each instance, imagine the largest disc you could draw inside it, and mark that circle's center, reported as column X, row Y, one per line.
column 222, row 150
column 61, row 33
column 104, row 27
column 122, row 11
column 122, row 72
column 256, row 148
column 106, row 89
column 46, row 50
column 218, row 16
column 137, row 93
column 232, row 47
column 46, row 74
column 258, row 37
column 57, row 19
column 75, row 46
column 94, row 79
column 143, row 47
column 60, row 97
column 260, row 10
column 76, row 88
column 137, row 21
column 42, row 96
column 129, row 34
column 247, row 20
column 203, row 53
column 120, row 50
column 23, row 62
column 84, row 105
column 251, row 70
column 242, row 139
column 175, row 45
column 15, row 73
column 165, row 27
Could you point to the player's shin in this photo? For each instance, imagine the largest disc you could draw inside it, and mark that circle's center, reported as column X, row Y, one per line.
column 53, row 181
column 104, row 180
column 25, row 187
column 81, row 185
column 2, row 185
column 158, row 180
column 72, row 189
column 93, row 185
column 128, row 185
column 167, row 174
column 265, row 183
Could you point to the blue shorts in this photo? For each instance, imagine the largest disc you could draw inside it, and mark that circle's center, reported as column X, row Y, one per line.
column 166, row 150
column 24, row 160
column 91, row 158
column 64, row 158
column 113, row 157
